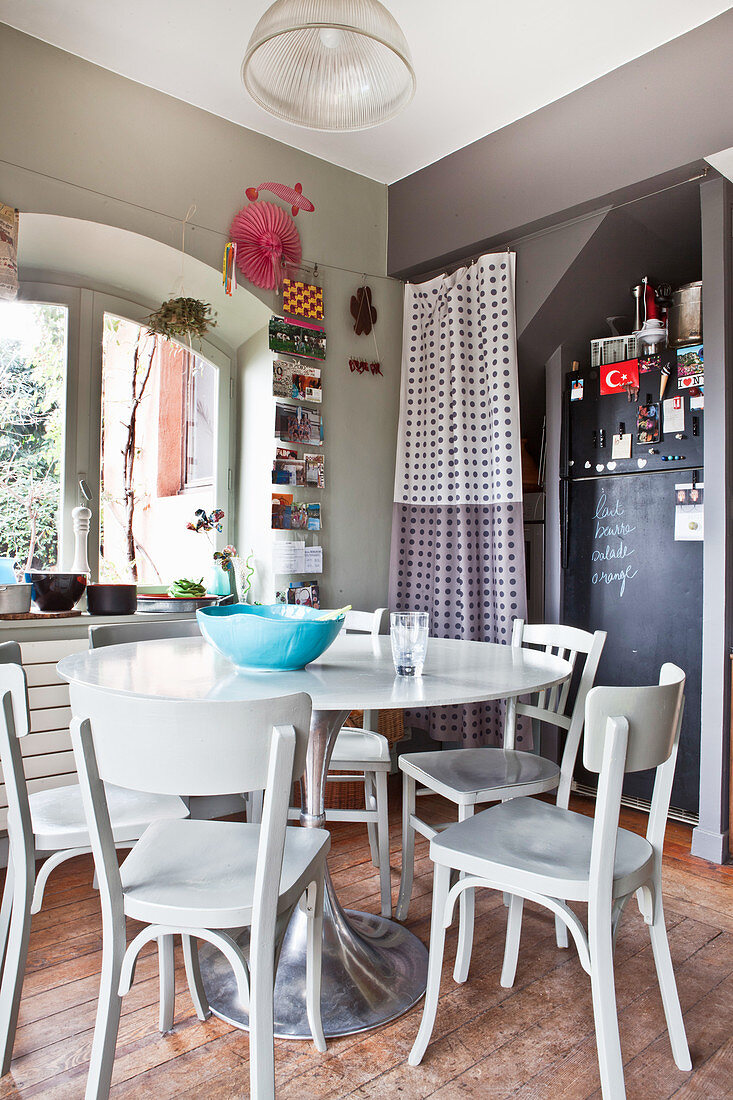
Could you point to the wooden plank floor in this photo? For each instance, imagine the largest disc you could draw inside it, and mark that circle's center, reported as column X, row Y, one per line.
column 532, row 1042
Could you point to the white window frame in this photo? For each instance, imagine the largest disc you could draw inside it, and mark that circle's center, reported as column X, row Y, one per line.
column 83, row 407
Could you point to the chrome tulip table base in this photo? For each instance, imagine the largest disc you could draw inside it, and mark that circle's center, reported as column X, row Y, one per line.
column 373, row 969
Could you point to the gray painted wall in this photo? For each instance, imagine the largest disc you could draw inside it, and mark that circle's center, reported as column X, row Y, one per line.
column 83, row 142
column 666, row 109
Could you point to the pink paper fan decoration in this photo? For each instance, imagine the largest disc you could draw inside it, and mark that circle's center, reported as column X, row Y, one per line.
column 267, row 241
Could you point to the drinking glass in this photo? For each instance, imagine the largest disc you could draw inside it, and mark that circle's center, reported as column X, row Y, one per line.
column 409, row 637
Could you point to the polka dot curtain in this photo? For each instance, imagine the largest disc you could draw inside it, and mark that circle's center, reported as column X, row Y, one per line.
column 457, row 535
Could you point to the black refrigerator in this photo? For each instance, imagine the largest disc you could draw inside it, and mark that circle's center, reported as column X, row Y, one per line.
column 631, row 549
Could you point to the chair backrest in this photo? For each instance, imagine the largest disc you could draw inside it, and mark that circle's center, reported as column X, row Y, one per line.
column 563, row 706
column 630, row 729
column 188, row 747
column 199, row 747
column 365, row 622
column 119, row 633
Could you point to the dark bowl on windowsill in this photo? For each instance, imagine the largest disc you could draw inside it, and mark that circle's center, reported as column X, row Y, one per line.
column 57, row 591
column 111, row 599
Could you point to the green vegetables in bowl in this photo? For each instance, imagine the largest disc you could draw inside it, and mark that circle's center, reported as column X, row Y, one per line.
column 186, row 589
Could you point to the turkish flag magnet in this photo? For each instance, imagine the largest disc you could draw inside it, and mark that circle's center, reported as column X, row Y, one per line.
column 616, row 377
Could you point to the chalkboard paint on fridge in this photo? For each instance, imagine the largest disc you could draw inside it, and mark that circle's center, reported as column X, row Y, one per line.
column 626, row 575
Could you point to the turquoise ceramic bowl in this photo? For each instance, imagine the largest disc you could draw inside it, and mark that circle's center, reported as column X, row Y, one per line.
column 276, row 638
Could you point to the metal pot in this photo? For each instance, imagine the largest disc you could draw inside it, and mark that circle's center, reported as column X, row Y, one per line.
column 111, row 599
column 15, row 599
column 684, row 319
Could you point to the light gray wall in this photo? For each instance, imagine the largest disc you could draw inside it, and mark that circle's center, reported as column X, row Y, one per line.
column 711, row 837
column 664, row 110
column 85, row 143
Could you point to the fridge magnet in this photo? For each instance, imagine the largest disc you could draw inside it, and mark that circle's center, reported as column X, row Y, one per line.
column 673, row 414
column 621, row 447
column 620, row 376
column 665, row 372
column 267, row 244
column 647, row 424
column 363, row 312
column 293, row 196
column 690, row 368
column 297, row 338
column 641, row 463
column 576, row 389
column 303, row 300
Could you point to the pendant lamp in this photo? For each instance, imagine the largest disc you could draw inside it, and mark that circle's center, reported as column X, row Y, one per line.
column 329, row 64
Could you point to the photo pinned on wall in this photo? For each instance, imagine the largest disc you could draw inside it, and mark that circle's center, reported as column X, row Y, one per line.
column 282, row 377
column 690, row 367
column 647, row 424
column 576, row 389
column 282, row 504
column 294, row 424
column 315, row 472
column 689, row 512
column 301, row 338
column 303, row 300
column 313, row 522
column 307, row 386
column 305, row 595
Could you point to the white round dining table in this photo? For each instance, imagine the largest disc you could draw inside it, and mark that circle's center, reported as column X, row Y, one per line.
column 374, row 969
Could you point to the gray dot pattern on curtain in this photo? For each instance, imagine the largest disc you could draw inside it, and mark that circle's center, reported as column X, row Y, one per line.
column 458, row 539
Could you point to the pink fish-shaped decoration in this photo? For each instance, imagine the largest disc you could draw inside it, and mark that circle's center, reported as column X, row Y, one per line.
column 292, row 195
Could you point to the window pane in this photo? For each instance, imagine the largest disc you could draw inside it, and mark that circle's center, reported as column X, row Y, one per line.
column 159, row 404
column 32, row 388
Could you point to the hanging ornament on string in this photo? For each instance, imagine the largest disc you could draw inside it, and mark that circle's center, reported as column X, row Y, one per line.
column 229, row 268
column 365, row 318
column 267, row 244
column 182, row 318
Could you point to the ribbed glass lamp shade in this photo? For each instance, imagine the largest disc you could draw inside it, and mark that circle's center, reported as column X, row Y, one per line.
column 329, row 64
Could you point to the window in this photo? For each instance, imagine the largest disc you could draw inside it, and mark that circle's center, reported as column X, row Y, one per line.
column 66, row 377
column 158, row 451
column 33, row 354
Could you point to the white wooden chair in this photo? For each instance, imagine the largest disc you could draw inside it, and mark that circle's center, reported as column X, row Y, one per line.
column 541, row 852
column 362, row 755
column 202, row 879
column 49, row 823
column 468, row 777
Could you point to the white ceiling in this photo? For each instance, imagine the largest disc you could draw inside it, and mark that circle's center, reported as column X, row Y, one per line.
column 480, row 64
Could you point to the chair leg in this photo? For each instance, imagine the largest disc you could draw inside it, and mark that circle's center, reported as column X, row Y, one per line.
column 408, row 847
column 513, row 936
column 261, row 1016
column 561, row 933
column 6, row 909
column 668, row 987
column 193, row 977
column 314, row 948
column 441, row 886
column 371, row 803
column 385, row 881
column 466, row 904
column 109, row 1005
column 610, row 1061
column 16, row 954
column 166, row 967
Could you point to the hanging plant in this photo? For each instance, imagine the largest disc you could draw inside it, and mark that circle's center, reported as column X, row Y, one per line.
column 181, row 319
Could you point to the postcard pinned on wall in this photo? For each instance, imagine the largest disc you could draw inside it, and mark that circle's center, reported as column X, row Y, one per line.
column 288, row 468
column 621, row 446
column 290, row 337
column 647, row 424
column 673, row 414
column 576, row 389
column 295, row 424
column 313, row 559
column 282, row 504
column 689, row 514
column 307, row 385
column 690, row 367
column 315, row 474
column 288, row 557
column 303, row 299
